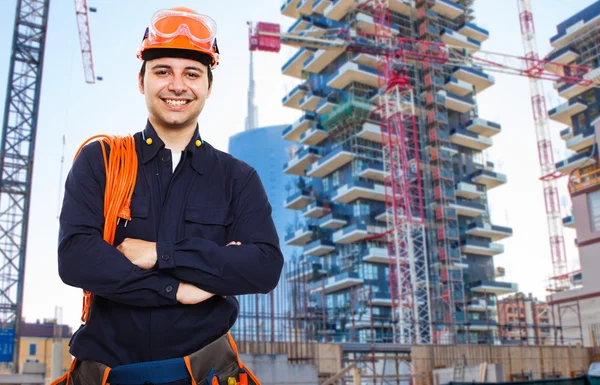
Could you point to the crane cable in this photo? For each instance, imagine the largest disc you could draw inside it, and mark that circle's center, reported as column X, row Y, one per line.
column 121, row 174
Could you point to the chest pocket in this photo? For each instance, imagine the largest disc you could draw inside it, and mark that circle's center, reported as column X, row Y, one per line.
column 138, row 227
column 208, row 222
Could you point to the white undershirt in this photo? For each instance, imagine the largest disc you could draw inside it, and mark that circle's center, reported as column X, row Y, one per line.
column 175, row 157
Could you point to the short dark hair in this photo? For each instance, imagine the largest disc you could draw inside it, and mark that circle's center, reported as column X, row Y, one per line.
column 208, row 73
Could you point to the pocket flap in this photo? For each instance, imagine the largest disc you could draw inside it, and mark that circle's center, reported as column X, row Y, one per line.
column 208, row 214
column 139, row 207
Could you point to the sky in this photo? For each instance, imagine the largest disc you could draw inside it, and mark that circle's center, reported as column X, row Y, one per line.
column 77, row 110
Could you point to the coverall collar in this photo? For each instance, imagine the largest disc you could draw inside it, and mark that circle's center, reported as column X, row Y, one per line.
column 199, row 154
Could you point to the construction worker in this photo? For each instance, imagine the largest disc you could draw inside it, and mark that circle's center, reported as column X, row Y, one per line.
column 200, row 232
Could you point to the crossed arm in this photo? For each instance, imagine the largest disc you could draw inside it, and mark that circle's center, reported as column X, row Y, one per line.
column 130, row 273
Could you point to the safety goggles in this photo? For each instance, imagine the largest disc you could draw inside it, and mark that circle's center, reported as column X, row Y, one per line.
column 166, row 25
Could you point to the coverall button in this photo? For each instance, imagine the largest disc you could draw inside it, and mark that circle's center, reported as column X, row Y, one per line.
column 169, row 289
column 165, row 158
column 165, row 257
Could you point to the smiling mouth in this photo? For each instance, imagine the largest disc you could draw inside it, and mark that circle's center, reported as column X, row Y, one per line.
column 176, row 102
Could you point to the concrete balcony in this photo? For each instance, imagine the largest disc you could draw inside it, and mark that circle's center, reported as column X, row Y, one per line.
column 481, row 305
column 400, row 6
column 358, row 189
column 338, row 9
column 293, row 131
column 370, row 131
column 483, row 127
column 381, row 299
column 565, row 111
column 295, row 64
column 479, row 79
column 366, row 60
column 569, row 91
column 321, row 59
column 310, row 101
column 292, row 99
column 468, row 139
column 494, row 287
column 581, row 141
column 333, row 221
column 303, row 159
column 566, row 134
column 288, row 8
column 477, row 247
column 474, row 32
column 326, row 104
column 300, row 25
column 575, row 161
column 337, row 283
column 469, row 190
column 489, row 179
column 298, row 200
column 351, row 234
column 299, row 237
column 315, row 210
column 376, row 255
column 495, row 233
column 313, row 136
column 564, row 55
column 305, row 7
column 459, row 87
column 305, row 272
column 575, row 26
column 447, row 8
column 455, row 39
column 372, row 171
column 319, row 6
column 330, row 162
column 457, row 103
column 353, row 72
column 569, row 222
column 318, row 248
column 364, row 22
column 468, row 209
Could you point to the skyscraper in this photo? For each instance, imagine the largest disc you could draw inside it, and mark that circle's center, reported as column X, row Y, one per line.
column 265, row 150
column 344, row 197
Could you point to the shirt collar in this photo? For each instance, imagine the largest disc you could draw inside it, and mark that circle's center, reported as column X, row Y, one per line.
column 196, row 148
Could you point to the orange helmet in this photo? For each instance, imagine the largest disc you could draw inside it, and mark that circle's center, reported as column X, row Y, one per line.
column 181, row 32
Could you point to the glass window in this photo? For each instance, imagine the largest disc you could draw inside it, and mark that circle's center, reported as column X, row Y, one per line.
column 32, row 349
column 594, row 203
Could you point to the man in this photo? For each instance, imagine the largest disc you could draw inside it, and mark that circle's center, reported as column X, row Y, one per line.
column 200, row 232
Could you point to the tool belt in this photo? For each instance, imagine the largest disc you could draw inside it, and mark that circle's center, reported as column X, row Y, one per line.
column 215, row 364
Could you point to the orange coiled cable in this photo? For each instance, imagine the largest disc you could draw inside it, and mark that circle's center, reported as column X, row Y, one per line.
column 121, row 173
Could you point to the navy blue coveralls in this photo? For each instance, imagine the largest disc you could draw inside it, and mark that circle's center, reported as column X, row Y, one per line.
column 192, row 214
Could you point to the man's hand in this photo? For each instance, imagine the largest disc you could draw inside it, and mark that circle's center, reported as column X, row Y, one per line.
column 140, row 253
column 190, row 295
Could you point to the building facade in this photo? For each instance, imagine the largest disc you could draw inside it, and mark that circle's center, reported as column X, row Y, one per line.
column 341, row 181
column 577, row 42
column 524, row 320
column 264, row 149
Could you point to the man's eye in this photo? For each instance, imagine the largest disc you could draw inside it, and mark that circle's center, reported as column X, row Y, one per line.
column 193, row 75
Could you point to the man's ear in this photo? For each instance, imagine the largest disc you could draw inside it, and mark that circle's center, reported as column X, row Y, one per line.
column 141, row 83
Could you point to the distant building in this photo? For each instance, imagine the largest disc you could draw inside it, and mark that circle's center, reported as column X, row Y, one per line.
column 524, row 320
column 265, row 150
column 577, row 42
column 35, row 348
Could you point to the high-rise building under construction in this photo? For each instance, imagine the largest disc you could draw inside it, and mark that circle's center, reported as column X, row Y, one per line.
column 346, row 286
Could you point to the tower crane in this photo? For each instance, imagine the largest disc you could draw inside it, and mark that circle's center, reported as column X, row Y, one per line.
column 395, row 110
column 17, row 151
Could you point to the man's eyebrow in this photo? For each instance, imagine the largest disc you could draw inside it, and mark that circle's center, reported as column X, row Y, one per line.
column 161, row 66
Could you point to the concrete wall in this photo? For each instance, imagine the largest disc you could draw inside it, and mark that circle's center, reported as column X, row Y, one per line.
column 577, row 317
column 493, row 373
column 535, row 360
column 272, row 369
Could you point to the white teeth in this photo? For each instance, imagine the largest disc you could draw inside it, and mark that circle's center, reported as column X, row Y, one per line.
column 176, row 102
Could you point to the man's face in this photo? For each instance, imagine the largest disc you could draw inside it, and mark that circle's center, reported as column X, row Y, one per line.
column 175, row 91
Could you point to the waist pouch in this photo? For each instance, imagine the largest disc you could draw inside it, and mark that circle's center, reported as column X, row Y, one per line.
column 214, row 364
